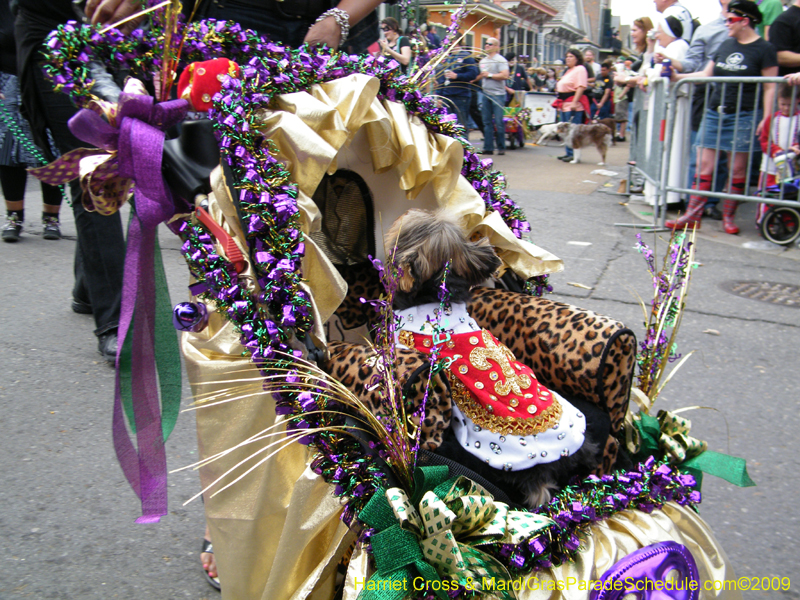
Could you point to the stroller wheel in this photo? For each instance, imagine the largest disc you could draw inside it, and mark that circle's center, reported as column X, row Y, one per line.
column 781, row 225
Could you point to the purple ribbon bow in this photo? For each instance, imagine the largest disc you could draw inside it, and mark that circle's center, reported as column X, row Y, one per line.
column 140, row 142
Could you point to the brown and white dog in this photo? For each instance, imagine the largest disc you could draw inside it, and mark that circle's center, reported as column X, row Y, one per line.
column 580, row 136
column 609, row 122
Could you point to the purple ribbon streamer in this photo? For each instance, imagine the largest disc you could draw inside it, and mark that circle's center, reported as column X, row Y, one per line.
column 140, row 144
column 89, row 127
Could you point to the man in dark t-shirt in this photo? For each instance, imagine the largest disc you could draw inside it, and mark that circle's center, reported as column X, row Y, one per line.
column 605, row 84
column 784, row 34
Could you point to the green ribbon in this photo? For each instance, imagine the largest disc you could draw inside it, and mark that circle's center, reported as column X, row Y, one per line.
column 434, row 534
column 649, row 433
column 167, row 354
column 730, row 468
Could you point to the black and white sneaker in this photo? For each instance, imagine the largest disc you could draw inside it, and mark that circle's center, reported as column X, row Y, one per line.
column 12, row 229
column 51, row 228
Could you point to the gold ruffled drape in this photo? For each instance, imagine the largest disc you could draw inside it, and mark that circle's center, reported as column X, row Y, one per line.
column 276, row 533
column 312, row 130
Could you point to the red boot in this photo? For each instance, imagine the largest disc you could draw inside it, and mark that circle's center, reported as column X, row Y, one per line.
column 729, row 207
column 694, row 213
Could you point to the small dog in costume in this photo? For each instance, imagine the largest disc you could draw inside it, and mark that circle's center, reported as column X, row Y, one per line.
column 505, row 425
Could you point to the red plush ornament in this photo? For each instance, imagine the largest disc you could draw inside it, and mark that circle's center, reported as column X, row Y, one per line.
column 201, row 80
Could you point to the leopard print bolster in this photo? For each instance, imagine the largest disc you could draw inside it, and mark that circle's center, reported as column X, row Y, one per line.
column 348, row 363
column 362, row 282
column 573, row 351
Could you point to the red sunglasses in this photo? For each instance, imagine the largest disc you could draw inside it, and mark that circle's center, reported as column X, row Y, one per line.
column 730, row 20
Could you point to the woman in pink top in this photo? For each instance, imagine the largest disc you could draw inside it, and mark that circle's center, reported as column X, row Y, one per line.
column 570, row 89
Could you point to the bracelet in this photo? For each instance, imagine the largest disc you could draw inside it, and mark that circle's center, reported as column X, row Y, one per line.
column 342, row 20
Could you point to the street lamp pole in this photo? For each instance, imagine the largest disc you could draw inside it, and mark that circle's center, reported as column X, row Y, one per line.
column 511, row 31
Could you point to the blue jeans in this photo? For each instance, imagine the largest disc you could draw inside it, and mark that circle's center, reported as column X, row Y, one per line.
column 572, row 116
column 493, row 127
column 460, row 104
column 605, row 111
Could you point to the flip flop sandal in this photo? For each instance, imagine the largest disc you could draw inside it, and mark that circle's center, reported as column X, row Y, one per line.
column 212, row 581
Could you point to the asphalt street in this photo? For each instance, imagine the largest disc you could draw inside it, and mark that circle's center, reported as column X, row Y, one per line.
column 67, row 515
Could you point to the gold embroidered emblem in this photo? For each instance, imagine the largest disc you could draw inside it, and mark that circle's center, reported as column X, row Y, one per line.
column 406, row 338
column 478, row 358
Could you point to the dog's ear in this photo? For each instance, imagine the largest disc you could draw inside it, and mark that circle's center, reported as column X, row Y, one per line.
column 406, row 281
column 477, row 262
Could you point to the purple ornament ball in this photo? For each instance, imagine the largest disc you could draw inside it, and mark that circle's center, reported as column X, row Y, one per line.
column 190, row 316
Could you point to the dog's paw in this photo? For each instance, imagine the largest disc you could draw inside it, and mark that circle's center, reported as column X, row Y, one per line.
column 573, row 162
column 601, row 164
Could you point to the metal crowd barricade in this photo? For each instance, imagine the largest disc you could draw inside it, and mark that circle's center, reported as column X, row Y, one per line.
column 663, row 128
column 647, row 143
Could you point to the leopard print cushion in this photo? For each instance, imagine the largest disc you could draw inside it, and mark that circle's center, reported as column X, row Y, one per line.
column 362, row 282
column 573, row 351
column 348, row 363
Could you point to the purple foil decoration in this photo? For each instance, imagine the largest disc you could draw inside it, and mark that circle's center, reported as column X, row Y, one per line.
column 644, row 573
column 190, row 316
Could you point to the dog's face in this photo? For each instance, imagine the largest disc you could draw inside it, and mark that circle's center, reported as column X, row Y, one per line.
column 423, row 242
column 564, row 128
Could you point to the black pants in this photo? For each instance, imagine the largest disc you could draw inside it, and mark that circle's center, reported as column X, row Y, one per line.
column 13, row 181
column 100, row 251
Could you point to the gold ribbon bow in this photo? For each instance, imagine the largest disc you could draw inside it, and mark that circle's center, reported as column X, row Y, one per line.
column 672, row 436
column 675, row 440
column 450, row 527
column 105, row 191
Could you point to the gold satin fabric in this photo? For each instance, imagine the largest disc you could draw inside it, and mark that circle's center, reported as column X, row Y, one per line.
column 276, row 532
column 610, row 541
column 311, row 129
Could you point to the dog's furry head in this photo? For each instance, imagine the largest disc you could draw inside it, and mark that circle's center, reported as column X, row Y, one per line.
column 422, row 243
column 564, row 128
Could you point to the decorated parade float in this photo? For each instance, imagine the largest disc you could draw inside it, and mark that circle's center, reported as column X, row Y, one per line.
column 322, row 407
